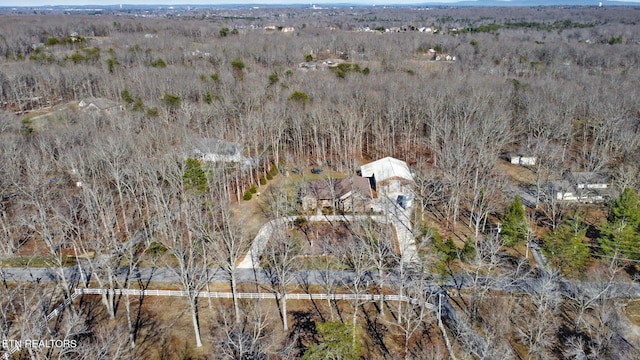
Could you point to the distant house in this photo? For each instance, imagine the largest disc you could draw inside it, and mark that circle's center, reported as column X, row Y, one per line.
column 589, row 180
column 99, row 104
column 581, row 187
column 288, row 29
column 388, row 175
column 347, row 195
column 522, row 160
column 216, row 150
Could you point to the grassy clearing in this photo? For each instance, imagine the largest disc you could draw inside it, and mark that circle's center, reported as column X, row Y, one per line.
column 633, row 312
column 37, row 262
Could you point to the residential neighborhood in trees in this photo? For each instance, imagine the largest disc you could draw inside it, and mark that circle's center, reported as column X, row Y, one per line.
column 344, row 182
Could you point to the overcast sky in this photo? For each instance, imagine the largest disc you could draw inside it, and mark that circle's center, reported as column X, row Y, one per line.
column 266, row 2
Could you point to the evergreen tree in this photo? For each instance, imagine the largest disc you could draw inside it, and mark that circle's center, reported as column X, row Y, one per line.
column 625, row 208
column 620, row 236
column 514, row 223
column 335, row 343
column 566, row 248
column 194, row 177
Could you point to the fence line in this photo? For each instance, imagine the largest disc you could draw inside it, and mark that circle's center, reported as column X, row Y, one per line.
column 7, row 355
column 259, row 296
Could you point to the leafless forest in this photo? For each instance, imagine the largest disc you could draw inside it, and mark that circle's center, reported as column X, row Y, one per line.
column 99, row 111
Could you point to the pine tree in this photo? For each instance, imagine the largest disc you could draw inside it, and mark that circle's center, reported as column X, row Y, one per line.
column 335, row 344
column 566, row 248
column 514, row 223
column 625, row 208
column 194, row 177
column 620, row 236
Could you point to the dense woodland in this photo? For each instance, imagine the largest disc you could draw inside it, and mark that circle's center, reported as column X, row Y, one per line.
column 113, row 186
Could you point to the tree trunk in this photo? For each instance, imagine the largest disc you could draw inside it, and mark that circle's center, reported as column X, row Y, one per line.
column 234, row 294
column 283, row 301
column 353, row 324
column 132, row 330
column 196, row 323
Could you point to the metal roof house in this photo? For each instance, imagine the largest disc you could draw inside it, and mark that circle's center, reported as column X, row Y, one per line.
column 388, row 175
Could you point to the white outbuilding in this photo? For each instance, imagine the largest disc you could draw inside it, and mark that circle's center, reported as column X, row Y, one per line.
column 388, row 175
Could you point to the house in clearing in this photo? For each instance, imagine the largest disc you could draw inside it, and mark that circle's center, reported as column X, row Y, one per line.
column 523, row 160
column 348, row 195
column 581, row 187
column 99, row 104
column 216, row 151
column 388, row 175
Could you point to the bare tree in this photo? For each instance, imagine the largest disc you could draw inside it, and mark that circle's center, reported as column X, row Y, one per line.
column 179, row 234
column 279, row 264
column 248, row 338
column 416, row 314
column 537, row 327
column 229, row 243
column 360, row 266
column 377, row 242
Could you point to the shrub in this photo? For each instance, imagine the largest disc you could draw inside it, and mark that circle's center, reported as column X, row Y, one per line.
column 156, row 249
column 300, row 222
column 52, row 41
column 111, row 64
column 299, row 96
column 153, row 112
column 171, row 100
column 138, row 105
column 27, row 126
column 273, row 78
column 253, row 189
column 274, row 171
column 247, row 195
column 77, row 58
column 263, row 181
column 238, row 64
column 159, row 63
column 126, row 96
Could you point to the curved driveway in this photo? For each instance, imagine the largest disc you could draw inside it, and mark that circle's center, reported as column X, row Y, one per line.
column 406, row 242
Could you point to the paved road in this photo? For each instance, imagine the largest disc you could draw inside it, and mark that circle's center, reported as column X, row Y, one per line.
column 317, row 277
column 527, row 196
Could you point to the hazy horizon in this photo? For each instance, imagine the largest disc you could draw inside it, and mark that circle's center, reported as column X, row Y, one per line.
column 45, row 3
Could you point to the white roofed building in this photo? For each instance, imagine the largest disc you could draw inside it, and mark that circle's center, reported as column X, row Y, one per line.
column 388, row 175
